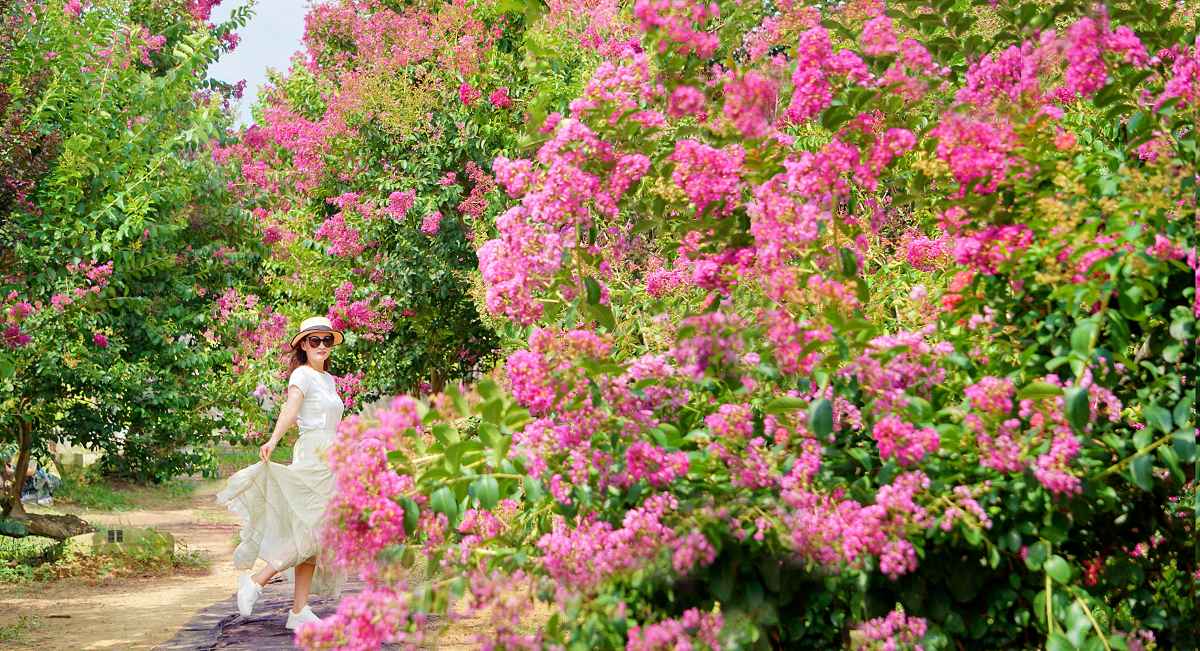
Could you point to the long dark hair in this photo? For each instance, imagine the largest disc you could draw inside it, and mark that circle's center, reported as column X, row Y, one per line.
column 299, row 358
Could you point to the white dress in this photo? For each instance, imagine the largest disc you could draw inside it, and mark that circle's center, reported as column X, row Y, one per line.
column 282, row 508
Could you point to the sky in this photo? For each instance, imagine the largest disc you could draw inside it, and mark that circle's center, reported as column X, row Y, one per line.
column 268, row 41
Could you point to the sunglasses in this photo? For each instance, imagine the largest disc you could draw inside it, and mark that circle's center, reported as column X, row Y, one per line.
column 315, row 341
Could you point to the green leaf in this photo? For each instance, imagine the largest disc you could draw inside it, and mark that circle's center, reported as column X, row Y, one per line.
column 1168, row 456
column 593, row 290
column 1057, row 568
column 1184, row 442
column 533, row 489
column 784, row 404
column 1038, row 390
column 1082, row 337
column 1157, row 417
column 1140, row 470
column 849, row 263
column 1057, row 642
column 1076, row 407
column 445, row 434
column 412, row 514
column 487, row 389
column 492, row 410
column 820, row 418
column 487, row 491
column 442, row 501
column 1036, row 555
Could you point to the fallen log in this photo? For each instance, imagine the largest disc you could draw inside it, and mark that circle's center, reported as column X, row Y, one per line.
column 58, row 527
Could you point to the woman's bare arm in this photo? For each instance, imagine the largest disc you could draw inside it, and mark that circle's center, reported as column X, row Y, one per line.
column 287, row 418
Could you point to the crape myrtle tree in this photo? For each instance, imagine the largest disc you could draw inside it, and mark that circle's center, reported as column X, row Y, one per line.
column 855, row 324
column 369, row 170
column 109, row 246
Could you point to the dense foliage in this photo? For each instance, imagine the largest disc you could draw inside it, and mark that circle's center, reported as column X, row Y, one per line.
column 870, row 326
column 113, row 225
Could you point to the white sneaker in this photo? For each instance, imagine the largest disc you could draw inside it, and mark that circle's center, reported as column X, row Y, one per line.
column 303, row 617
column 247, row 594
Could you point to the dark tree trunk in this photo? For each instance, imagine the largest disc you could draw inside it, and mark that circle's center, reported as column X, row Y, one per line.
column 25, row 442
column 15, row 522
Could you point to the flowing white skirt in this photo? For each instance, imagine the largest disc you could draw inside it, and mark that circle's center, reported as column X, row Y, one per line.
column 282, row 511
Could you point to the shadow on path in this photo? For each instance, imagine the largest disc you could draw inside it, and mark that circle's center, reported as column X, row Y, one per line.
column 221, row 627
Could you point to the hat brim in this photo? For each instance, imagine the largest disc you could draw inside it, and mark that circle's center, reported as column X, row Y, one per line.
column 337, row 336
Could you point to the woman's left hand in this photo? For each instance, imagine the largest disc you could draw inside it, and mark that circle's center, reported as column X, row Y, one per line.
column 265, row 451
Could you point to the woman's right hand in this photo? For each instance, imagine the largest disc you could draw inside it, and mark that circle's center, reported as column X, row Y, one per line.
column 265, row 451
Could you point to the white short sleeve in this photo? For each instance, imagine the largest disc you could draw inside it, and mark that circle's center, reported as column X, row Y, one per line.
column 302, row 378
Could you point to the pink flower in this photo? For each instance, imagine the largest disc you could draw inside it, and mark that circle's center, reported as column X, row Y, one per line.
column 686, row 100
column 878, row 37
column 431, row 223
column 499, row 98
column 750, row 104
column 895, row 632
column 73, row 8
column 399, row 203
column 100, row 340
column 467, row 95
column 708, row 175
column 13, row 337
column 902, row 441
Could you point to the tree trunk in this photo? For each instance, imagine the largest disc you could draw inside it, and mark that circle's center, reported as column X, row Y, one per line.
column 25, row 441
column 58, row 527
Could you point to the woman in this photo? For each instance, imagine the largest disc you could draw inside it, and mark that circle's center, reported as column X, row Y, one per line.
column 281, row 508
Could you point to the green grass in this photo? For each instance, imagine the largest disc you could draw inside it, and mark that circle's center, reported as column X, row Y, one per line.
column 92, row 495
column 38, row 560
column 23, row 560
column 231, row 461
column 88, row 490
column 18, row 630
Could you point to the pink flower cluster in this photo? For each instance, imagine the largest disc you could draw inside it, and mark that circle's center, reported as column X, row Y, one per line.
column 467, row 94
column 816, row 64
column 895, row 364
column 554, row 203
column 399, row 203
column 902, row 441
column 431, row 223
column 693, row 630
column 366, row 621
column 708, row 175
column 1085, row 44
column 364, row 512
column 18, row 311
column 750, row 103
column 349, row 386
column 978, row 152
column 829, row 530
column 965, row 505
column 369, row 316
column 989, row 249
column 679, row 25
column 653, row 464
column 894, row 632
column 499, row 98
column 482, row 184
column 582, row 558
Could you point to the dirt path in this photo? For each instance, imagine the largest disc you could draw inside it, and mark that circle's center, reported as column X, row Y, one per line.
column 131, row 613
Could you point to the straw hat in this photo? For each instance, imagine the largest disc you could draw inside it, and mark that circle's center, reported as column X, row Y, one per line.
column 316, row 324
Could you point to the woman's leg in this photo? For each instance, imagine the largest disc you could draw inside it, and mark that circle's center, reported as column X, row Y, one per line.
column 304, row 576
column 264, row 575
